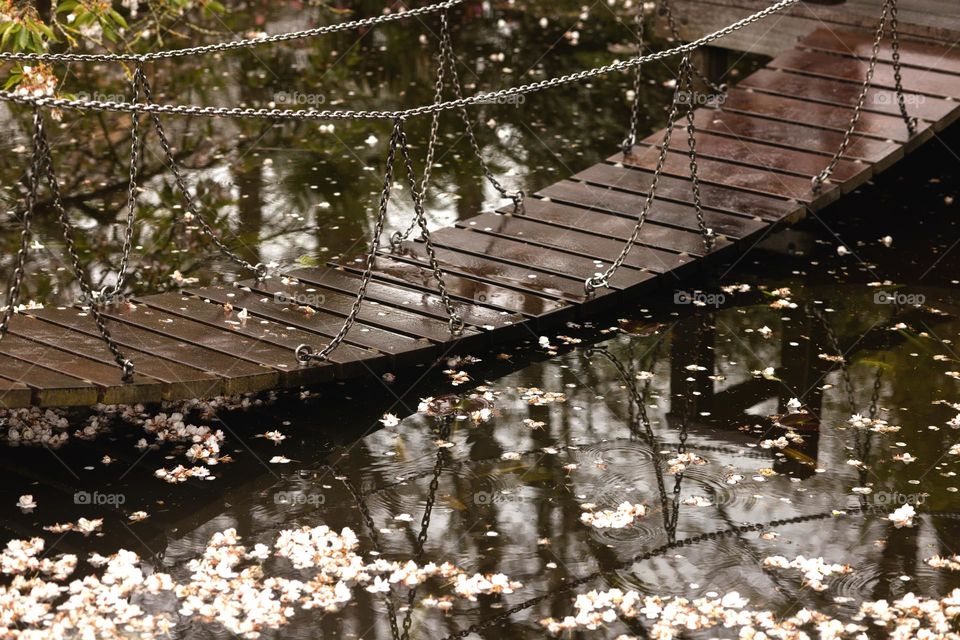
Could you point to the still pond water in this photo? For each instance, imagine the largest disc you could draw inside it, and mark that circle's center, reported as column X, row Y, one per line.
column 688, row 419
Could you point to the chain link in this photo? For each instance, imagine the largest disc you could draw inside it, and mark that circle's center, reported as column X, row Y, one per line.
column 719, row 89
column 109, row 293
column 447, row 59
column 310, row 114
column 12, row 295
column 259, row 269
column 889, row 8
column 911, row 121
column 220, row 47
column 709, row 238
column 304, row 352
column 126, row 365
column 631, row 138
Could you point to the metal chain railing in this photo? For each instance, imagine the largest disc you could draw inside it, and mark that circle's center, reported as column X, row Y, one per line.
column 447, row 60
column 424, row 110
column 12, row 294
column 236, row 44
column 719, row 89
column 109, row 293
column 709, row 238
column 631, row 139
column 889, row 9
column 66, row 226
column 260, row 270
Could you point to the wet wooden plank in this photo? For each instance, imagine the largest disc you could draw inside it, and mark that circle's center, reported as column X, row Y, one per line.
column 786, row 109
column 736, row 176
column 399, row 296
column 928, row 82
column 179, row 380
column 48, row 388
column 860, row 45
column 568, row 239
column 623, row 190
column 615, row 226
column 112, row 389
column 465, row 288
column 392, row 320
column 845, row 94
column 273, row 342
column 766, row 156
column 14, row 395
column 239, row 373
column 533, row 260
column 495, row 272
column 797, row 136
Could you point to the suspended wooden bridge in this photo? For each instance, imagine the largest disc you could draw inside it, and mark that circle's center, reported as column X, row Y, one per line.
column 514, row 273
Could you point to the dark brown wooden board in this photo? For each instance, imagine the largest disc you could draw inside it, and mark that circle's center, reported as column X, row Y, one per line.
column 533, row 260
column 611, row 225
column 629, row 195
column 495, row 272
column 279, row 340
column 464, row 288
column 925, row 81
column 391, row 320
column 179, row 381
column 845, row 94
column 48, row 388
column 735, row 176
column 239, row 374
column 797, row 136
column 860, row 45
column 112, row 388
column 567, row 239
column 765, row 156
column 875, row 125
column 290, row 327
column 328, row 278
column 14, row 395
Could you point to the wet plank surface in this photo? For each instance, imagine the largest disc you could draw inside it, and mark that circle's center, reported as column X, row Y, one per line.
column 509, row 274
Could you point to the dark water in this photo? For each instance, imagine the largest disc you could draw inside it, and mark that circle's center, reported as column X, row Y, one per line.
column 505, row 495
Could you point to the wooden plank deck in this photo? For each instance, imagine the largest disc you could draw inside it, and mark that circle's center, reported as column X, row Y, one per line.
column 510, row 274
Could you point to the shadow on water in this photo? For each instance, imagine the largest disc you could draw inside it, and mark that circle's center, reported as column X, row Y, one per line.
column 640, row 387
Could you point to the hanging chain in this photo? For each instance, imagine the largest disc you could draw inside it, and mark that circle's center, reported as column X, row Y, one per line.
column 305, row 352
column 889, row 6
column 454, row 321
column 125, row 364
column 631, row 138
column 719, row 89
column 911, row 121
column 109, row 293
column 12, row 297
column 598, row 280
column 423, row 110
column 447, row 59
column 260, row 270
column 443, row 433
column 709, row 238
column 220, row 47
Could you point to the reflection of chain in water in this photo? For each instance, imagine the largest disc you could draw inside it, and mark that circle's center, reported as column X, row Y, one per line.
column 664, row 548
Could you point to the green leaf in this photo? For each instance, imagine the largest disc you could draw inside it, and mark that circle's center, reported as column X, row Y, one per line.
column 308, row 261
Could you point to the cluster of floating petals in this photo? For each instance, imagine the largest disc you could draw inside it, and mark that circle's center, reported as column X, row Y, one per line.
column 666, row 618
column 940, row 562
column 903, row 516
column 813, row 570
column 682, row 461
column 537, row 397
column 623, row 516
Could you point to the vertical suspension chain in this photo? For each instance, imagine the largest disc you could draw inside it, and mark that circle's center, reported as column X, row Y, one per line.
column 304, row 352
column 259, row 270
column 889, row 8
column 46, row 161
column 12, row 297
column 686, row 76
column 631, row 139
column 911, row 121
column 454, row 321
column 719, row 89
column 447, row 60
column 109, row 293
